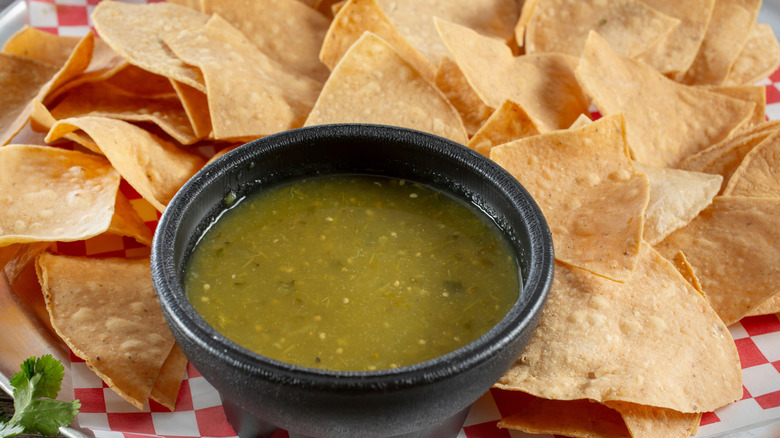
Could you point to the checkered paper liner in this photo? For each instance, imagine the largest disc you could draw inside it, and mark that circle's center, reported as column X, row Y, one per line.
column 198, row 411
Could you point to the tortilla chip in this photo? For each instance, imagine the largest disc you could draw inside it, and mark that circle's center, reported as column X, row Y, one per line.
column 51, row 194
column 665, row 121
column 573, row 418
column 135, row 80
column 686, row 270
column 759, row 173
column 287, row 31
column 414, row 20
column 42, row 120
column 135, row 32
column 676, row 197
column 373, row 84
column 249, row 94
column 107, row 312
column 607, row 341
column 651, row 422
column 508, row 123
column 127, row 222
column 154, row 167
column 40, row 45
column 724, row 157
column 544, row 85
column 166, row 387
column 760, row 56
column 21, row 80
column 748, row 93
column 726, row 34
column 450, row 81
column 629, row 26
column 359, row 16
column 771, row 305
column 101, row 99
column 593, row 199
column 732, row 247
column 676, row 52
column 196, row 105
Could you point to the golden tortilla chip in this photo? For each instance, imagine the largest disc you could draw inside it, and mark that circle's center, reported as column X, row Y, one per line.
column 593, row 199
column 414, row 20
column 373, row 84
column 21, row 80
column 732, row 247
column 676, row 52
column 665, row 121
column 759, row 173
column 760, row 56
column 249, row 94
column 450, row 81
column 748, row 93
column 676, row 197
column 771, row 305
column 572, row 418
column 166, row 387
column 52, row 194
column 287, row 31
column 154, row 167
column 607, row 341
column 359, row 16
column 135, row 32
column 40, row 45
column 42, row 120
column 726, row 34
column 135, row 80
column 629, row 26
column 107, row 312
column 651, row 422
column 724, row 157
column 544, row 85
column 508, row 123
column 196, row 105
column 101, row 99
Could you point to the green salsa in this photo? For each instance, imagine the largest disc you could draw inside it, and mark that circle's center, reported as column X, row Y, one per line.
column 352, row 273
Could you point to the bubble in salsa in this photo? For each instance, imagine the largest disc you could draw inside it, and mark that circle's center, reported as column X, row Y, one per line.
column 352, row 273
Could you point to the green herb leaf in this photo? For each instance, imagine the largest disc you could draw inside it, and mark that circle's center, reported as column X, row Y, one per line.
column 35, row 388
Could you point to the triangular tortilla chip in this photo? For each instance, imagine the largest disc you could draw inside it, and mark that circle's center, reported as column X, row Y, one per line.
column 732, row 246
column 286, row 30
column 676, row 197
column 450, row 80
column 33, row 43
column 414, row 20
column 196, row 105
column 630, row 26
column 101, row 99
column 677, row 50
column 42, row 120
column 726, row 34
column 107, row 312
column 359, row 16
column 607, row 341
column 135, row 31
column 771, row 305
column 759, row 57
column 665, row 121
column 154, row 167
column 724, row 157
column 508, row 123
column 52, row 194
column 166, row 387
column 250, row 95
column 759, row 173
column 748, row 93
column 588, row 190
column 373, row 84
column 544, row 85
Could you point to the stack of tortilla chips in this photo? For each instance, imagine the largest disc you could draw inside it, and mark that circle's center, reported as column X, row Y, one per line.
column 663, row 210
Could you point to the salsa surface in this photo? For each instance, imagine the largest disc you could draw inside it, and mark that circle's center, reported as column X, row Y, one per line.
column 352, row 273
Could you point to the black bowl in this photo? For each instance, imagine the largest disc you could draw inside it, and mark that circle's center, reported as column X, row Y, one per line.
column 417, row 400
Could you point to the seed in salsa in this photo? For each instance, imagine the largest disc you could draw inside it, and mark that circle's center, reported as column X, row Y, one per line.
column 352, row 273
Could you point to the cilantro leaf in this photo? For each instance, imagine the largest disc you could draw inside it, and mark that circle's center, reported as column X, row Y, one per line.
column 35, row 388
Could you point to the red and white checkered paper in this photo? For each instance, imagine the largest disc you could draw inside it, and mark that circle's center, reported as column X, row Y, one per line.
column 199, row 412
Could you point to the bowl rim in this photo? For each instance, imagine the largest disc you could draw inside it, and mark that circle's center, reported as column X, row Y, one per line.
column 179, row 312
